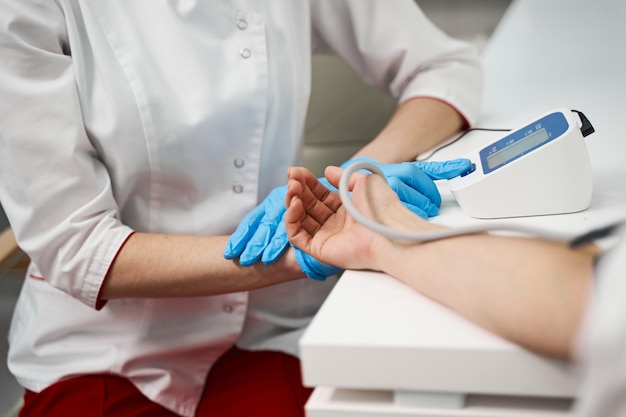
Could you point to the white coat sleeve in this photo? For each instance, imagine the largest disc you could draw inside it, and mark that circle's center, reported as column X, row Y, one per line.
column 395, row 47
column 602, row 339
column 55, row 190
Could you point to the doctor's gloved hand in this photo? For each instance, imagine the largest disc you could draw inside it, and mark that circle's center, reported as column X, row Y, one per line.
column 414, row 182
column 258, row 229
column 313, row 268
column 261, row 235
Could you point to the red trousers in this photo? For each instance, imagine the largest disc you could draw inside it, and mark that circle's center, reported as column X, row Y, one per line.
column 240, row 384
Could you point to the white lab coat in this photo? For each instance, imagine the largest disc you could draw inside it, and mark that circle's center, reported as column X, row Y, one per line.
column 174, row 116
column 603, row 347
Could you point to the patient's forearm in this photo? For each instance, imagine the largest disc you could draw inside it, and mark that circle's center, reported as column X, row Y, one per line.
column 530, row 291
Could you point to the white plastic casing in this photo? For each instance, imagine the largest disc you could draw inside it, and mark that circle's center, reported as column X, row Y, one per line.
column 553, row 178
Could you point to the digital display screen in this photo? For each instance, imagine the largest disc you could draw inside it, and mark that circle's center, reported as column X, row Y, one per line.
column 517, row 148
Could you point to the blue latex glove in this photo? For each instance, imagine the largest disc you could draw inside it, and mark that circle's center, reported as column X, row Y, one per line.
column 313, row 268
column 258, row 228
column 414, row 181
column 262, row 235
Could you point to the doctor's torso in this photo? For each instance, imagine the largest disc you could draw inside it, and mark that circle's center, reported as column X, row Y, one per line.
column 193, row 110
column 195, row 107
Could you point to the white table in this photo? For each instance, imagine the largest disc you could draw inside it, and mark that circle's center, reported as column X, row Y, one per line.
column 379, row 348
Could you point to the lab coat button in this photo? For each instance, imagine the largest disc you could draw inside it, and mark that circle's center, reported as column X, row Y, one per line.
column 245, row 53
column 242, row 24
column 239, row 162
column 238, row 188
column 227, row 308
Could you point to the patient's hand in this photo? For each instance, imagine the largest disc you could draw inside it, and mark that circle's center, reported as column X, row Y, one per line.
column 318, row 224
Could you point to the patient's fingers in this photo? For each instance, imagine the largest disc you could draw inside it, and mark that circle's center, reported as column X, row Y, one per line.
column 333, row 175
column 319, row 191
column 305, row 208
column 312, row 192
column 310, row 206
column 294, row 217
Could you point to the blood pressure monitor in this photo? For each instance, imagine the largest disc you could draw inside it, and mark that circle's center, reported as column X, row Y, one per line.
column 541, row 168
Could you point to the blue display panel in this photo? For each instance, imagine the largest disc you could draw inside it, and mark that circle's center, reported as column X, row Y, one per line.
column 523, row 141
